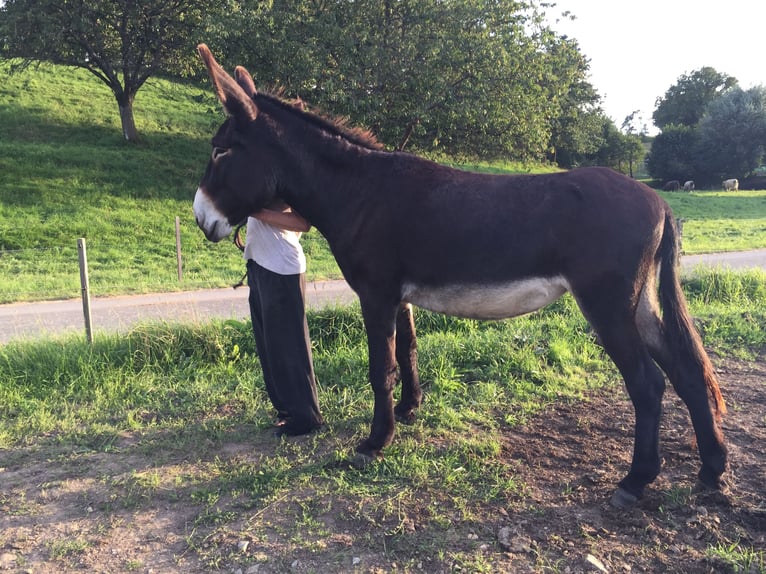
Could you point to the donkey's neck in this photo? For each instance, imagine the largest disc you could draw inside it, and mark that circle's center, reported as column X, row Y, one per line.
column 322, row 189
column 320, row 171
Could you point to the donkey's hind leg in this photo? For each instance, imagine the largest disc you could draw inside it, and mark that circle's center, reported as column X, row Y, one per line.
column 614, row 322
column 687, row 376
column 407, row 358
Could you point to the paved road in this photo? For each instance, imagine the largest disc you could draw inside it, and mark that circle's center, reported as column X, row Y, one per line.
column 120, row 314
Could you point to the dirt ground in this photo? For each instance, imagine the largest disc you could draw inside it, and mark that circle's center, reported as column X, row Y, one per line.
column 672, row 526
column 56, row 514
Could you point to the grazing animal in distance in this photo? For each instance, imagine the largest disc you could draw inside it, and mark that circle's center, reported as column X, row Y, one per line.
column 730, row 185
column 672, row 185
column 408, row 231
column 689, row 185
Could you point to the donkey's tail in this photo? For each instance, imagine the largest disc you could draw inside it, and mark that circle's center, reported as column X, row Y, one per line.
column 681, row 335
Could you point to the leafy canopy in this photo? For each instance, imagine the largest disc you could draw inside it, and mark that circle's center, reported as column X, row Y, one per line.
column 121, row 42
column 732, row 135
column 458, row 77
column 685, row 101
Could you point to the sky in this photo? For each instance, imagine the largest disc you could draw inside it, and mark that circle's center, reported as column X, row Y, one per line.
column 637, row 50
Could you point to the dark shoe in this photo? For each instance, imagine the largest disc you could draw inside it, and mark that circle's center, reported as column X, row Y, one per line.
column 296, row 428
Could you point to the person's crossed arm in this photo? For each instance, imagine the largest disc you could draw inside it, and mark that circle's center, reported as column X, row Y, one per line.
column 281, row 215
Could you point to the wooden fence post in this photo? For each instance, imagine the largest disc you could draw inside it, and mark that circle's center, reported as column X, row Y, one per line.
column 178, row 249
column 680, row 226
column 85, row 288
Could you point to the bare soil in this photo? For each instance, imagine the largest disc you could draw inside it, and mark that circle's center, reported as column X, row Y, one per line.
column 68, row 511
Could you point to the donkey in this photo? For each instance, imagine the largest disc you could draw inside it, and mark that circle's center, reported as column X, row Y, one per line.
column 406, row 231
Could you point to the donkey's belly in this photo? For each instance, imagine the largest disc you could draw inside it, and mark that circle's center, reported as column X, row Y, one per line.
column 491, row 301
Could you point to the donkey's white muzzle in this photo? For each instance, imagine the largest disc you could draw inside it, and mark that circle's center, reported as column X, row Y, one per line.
column 213, row 224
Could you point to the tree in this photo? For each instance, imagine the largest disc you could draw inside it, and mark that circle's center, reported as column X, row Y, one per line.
column 674, row 154
column 121, row 42
column 618, row 150
column 633, row 151
column 684, row 103
column 457, row 77
column 732, row 135
column 577, row 137
column 576, row 125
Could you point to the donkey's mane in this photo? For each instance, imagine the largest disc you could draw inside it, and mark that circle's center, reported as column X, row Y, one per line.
column 338, row 126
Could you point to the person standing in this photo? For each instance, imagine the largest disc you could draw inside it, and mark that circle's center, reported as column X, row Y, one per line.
column 276, row 267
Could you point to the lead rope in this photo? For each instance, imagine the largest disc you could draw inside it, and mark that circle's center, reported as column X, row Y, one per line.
column 237, row 240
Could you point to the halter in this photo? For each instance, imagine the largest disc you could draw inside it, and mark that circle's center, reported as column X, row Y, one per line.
column 237, row 240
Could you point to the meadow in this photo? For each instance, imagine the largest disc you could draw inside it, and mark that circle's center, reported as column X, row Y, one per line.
column 66, row 173
column 153, row 451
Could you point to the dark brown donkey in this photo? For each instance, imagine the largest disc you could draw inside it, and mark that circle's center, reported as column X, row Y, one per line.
column 405, row 230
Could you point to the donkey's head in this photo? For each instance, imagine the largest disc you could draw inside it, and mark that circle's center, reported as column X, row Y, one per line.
column 238, row 180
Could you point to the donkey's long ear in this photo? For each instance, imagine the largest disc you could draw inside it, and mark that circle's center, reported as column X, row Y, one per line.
column 245, row 81
column 234, row 99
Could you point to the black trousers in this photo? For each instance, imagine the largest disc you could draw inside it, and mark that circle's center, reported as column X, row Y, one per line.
column 277, row 310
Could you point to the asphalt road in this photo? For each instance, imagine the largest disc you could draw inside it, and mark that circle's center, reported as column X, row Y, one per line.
column 120, row 314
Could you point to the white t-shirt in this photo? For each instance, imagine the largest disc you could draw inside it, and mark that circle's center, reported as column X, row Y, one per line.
column 275, row 249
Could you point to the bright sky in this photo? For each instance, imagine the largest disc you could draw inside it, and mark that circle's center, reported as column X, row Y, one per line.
column 637, row 50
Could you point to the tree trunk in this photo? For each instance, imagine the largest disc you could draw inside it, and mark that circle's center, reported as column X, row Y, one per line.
column 125, row 102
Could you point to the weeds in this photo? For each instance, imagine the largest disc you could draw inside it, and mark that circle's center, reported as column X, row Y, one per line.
column 740, row 558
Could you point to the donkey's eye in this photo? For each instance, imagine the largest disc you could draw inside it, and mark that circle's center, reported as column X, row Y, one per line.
column 218, row 152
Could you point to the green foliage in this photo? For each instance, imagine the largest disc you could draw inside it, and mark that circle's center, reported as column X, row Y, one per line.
column 673, row 154
column 685, row 101
column 732, row 136
column 477, row 79
column 578, row 137
column 731, row 308
column 739, row 557
column 613, row 148
column 476, row 372
column 712, row 287
column 711, row 130
column 166, row 376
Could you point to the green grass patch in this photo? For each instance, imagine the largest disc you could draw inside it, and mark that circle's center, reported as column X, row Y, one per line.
column 730, row 308
column 477, row 374
column 716, row 221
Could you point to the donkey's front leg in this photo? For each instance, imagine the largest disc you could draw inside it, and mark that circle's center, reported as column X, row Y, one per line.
column 407, row 358
column 380, row 324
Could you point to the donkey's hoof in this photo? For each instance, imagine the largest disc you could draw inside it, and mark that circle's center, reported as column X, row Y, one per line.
column 360, row 461
column 702, row 486
column 407, row 417
column 623, row 499
column 706, row 494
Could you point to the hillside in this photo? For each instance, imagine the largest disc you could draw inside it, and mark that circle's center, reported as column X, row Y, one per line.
column 66, row 173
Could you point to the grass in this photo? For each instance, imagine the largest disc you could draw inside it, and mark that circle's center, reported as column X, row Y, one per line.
column 716, row 221
column 729, row 310
column 66, row 173
column 740, row 557
column 177, row 395
column 166, row 376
